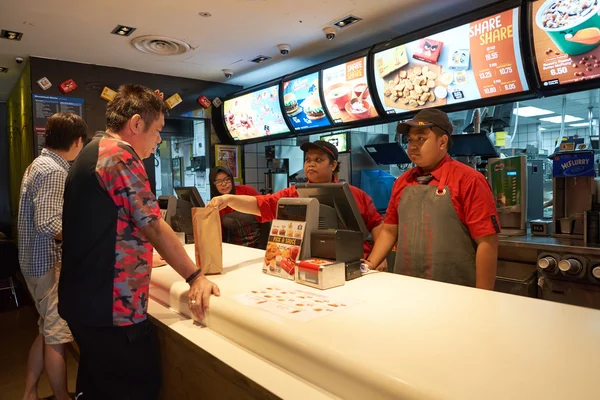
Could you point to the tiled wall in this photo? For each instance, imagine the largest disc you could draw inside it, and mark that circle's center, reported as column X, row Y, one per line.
column 255, row 164
column 527, row 134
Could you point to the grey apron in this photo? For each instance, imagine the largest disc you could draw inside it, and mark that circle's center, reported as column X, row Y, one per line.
column 433, row 243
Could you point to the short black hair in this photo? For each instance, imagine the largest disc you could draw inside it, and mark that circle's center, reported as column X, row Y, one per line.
column 440, row 132
column 131, row 100
column 63, row 129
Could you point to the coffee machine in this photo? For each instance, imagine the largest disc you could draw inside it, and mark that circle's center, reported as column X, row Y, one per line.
column 573, row 179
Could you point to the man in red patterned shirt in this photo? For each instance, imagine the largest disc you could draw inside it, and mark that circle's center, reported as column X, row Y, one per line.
column 111, row 222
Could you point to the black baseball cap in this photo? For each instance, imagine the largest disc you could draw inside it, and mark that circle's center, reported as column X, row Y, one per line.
column 327, row 147
column 427, row 118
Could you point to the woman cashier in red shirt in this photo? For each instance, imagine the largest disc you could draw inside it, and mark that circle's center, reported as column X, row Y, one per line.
column 320, row 166
column 441, row 214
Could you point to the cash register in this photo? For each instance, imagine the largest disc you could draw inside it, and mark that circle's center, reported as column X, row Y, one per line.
column 341, row 230
column 177, row 211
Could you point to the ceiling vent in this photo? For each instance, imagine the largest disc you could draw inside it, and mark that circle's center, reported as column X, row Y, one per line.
column 347, row 21
column 160, row 45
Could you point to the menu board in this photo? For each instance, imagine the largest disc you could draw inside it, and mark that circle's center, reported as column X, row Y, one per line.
column 254, row 115
column 302, row 103
column 46, row 106
column 347, row 95
column 566, row 35
column 471, row 62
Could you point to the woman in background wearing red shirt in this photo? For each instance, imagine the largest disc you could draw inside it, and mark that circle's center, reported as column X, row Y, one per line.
column 238, row 228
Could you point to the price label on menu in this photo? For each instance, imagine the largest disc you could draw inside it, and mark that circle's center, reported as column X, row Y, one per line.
column 494, row 55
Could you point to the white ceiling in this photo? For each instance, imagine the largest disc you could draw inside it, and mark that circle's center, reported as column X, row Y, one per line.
column 238, row 31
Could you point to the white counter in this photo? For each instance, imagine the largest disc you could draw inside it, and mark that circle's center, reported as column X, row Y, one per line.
column 407, row 338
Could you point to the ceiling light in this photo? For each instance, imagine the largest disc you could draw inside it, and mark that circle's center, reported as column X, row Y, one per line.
column 4, row 69
column 347, row 21
column 10, row 35
column 205, row 14
column 542, row 129
column 260, row 59
column 577, row 125
column 123, row 30
column 558, row 119
column 531, row 112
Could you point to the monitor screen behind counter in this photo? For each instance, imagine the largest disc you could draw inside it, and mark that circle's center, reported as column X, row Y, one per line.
column 336, row 200
column 190, row 194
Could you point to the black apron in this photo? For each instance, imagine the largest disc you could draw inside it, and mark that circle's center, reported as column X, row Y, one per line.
column 433, row 243
column 241, row 229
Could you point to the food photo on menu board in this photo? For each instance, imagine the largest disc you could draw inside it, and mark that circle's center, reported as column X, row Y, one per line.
column 347, row 95
column 470, row 62
column 255, row 114
column 302, row 103
column 566, row 35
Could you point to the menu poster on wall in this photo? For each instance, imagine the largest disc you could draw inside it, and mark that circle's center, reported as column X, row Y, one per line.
column 347, row 95
column 566, row 35
column 302, row 103
column 46, row 106
column 470, row 62
column 254, row 115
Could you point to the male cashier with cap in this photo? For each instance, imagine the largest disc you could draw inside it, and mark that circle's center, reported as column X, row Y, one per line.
column 441, row 214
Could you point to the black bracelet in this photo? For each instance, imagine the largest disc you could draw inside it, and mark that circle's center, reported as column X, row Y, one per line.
column 193, row 276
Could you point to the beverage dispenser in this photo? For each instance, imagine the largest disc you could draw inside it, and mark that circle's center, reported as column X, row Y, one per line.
column 573, row 176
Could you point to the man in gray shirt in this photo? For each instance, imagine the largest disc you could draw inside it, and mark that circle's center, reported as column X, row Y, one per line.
column 40, row 234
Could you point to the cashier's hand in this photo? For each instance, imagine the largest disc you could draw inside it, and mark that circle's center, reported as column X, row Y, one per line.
column 199, row 295
column 383, row 267
column 220, row 202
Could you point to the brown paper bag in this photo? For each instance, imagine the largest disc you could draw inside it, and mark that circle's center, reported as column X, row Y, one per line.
column 207, row 240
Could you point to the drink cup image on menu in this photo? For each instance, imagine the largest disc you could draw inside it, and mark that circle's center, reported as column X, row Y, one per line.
column 572, row 25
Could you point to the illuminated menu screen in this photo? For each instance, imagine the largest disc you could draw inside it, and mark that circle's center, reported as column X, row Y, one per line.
column 347, row 95
column 302, row 103
column 254, row 115
column 566, row 35
column 470, row 62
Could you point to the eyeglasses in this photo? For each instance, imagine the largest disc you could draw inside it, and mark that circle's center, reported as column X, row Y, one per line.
column 221, row 182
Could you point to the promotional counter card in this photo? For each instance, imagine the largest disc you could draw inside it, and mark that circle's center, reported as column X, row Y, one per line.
column 299, row 304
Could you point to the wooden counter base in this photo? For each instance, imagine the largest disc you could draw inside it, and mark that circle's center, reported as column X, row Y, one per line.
column 189, row 372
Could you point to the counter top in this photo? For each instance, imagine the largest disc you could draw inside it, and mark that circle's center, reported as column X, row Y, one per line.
column 408, row 338
column 549, row 243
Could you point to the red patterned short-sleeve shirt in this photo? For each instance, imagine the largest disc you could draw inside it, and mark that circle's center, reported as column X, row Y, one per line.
column 119, row 274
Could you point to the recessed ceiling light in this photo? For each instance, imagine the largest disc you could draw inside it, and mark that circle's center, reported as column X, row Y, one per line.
column 577, row 125
column 205, row 14
column 10, row 35
column 531, row 112
column 558, row 119
column 542, row 129
column 123, row 30
column 260, row 59
column 4, row 69
column 347, row 21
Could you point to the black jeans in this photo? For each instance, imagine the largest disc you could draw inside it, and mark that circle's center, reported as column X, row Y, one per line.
column 120, row 363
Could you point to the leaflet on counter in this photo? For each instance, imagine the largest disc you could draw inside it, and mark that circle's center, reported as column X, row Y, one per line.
column 283, row 248
column 299, row 304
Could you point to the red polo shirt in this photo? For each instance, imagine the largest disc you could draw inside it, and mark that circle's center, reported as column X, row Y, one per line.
column 268, row 208
column 470, row 194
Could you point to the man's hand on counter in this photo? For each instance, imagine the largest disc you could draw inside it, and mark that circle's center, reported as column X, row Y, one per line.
column 199, row 295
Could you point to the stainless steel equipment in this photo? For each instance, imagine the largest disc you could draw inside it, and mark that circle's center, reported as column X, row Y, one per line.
column 569, row 278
